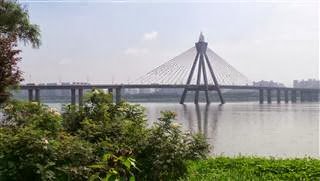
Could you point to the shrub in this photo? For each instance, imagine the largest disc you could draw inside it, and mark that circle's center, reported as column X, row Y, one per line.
column 115, row 167
column 160, row 151
column 108, row 125
column 34, row 147
column 168, row 148
column 26, row 114
column 99, row 140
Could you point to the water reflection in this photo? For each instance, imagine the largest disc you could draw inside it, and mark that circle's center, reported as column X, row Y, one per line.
column 286, row 130
column 250, row 128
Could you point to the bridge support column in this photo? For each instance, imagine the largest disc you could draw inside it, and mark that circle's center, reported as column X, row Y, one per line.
column 110, row 91
column 118, row 95
column 196, row 97
column 293, row 96
column 313, row 96
column 214, row 79
column 205, row 79
column 80, row 98
column 73, row 96
column 302, row 98
column 310, row 96
column 37, row 95
column 201, row 59
column 316, row 96
column 269, row 95
column 286, row 96
column 30, row 95
column 261, row 96
column 278, row 96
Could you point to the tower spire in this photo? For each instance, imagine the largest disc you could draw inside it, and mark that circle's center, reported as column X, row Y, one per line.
column 202, row 61
column 201, row 37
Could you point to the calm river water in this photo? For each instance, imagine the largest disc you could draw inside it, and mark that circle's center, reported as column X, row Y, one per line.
column 279, row 130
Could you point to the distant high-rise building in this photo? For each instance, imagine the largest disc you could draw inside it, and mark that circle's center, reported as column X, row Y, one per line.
column 310, row 83
column 264, row 83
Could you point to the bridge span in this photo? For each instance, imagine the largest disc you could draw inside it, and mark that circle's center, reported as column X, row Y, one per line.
column 197, row 69
column 282, row 93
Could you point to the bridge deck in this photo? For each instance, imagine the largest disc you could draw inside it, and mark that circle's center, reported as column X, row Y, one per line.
column 170, row 86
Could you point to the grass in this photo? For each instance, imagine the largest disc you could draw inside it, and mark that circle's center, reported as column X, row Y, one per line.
column 253, row 168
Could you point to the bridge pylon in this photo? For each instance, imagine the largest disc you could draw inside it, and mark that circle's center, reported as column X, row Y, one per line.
column 201, row 62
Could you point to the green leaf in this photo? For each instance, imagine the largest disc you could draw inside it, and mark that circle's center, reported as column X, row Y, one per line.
column 96, row 166
column 132, row 178
column 106, row 157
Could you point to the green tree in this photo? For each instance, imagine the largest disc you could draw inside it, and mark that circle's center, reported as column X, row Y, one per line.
column 10, row 74
column 15, row 22
column 14, row 26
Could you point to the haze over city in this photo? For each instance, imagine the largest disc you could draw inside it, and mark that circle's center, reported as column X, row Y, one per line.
column 105, row 42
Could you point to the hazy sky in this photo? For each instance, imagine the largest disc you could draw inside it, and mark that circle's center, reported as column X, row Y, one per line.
column 104, row 41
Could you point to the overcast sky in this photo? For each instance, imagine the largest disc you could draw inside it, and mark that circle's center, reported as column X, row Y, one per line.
column 105, row 42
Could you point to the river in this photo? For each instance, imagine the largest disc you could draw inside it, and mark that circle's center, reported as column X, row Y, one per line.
column 249, row 128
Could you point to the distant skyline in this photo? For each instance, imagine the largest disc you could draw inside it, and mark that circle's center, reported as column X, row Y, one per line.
column 107, row 41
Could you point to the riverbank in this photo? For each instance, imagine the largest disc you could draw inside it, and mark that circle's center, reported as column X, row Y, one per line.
column 253, row 168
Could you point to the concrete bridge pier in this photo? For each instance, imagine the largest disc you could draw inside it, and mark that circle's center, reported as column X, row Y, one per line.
column 308, row 96
column 30, row 95
column 80, row 98
column 37, row 95
column 73, row 96
column 73, row 92
column 293, row 96
column 118, row 95
column 278, row 96
column 286, row 96
column 313, row 96
column 34, row 95
column 316, row 96
column 261, row 96
column 269, row 96
column 110, row 91
column 302, row 99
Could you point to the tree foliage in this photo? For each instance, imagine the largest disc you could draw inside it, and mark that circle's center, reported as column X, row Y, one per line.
column 14, row 26
column 15, row 22
column 99, row 140
column 10, row 75
column 168, row 148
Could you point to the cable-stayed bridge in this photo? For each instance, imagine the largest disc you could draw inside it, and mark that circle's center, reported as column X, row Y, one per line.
column 197, row 69
column 176, row 71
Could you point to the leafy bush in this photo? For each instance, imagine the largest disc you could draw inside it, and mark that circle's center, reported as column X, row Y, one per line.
column 113, row 167
column 25, row 114
column 99, row 140
column 33, row 145
column 110, row 126
column 168, row 148
column 160, row 151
